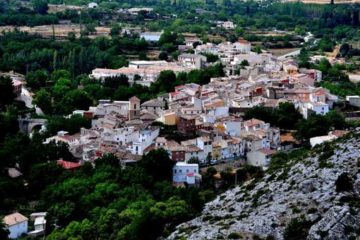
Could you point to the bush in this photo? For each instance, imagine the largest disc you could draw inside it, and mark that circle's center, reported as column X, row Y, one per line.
column 297, row 229
column 344, row 183
column 234, row 236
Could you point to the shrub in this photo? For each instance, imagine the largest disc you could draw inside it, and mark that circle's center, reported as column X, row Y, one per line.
column 344, row 183
column 312, row 210
column 234, row 236
column 297, row 229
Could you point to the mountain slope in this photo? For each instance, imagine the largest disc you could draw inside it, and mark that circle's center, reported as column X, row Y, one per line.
column 318, row 192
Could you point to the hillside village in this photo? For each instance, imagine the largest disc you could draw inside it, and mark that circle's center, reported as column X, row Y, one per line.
column 210, row 116
column 176, row 120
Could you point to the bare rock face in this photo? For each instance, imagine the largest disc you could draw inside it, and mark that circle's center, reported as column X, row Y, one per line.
column 337, row 223
column 306, row 188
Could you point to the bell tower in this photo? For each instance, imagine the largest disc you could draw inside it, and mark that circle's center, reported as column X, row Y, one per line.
column 134, row 108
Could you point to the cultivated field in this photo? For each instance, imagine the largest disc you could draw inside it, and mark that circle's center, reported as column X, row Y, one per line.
column 57, row 30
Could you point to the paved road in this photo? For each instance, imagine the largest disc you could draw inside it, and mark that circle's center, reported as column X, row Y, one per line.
column 26, row 97
column 291, row 54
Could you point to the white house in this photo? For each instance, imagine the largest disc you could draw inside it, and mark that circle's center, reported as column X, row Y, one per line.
column 242, row 46
column 260, row 158
column 318, row 108
column 255, row 124
column 233, row 128
column 63, row 136
column 194, row 152
column 141, row 72
column 155, row 106
column 321, row 139
column 204, row 143
column 151, row 36
column 225, row 150
column 194, row 61
column 185, row 172
column 226, row 24
column 120, row 136
column 353, row 100
column 39, row 224
column 236, row 147
column 92, row 5
column 145, row 139
column 17, row 224
column 332, row 135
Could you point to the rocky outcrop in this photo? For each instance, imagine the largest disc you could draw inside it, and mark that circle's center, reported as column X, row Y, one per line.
column 305, row 187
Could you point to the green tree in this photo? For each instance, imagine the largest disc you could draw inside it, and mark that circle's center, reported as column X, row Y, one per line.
column 287, row 116
column 37, row 79
column 297, row 229
column 158, row 161
column 324, row 66
column 344, row 183
column 4, row 5
column 163, row 56
column 165, row 82
column 71, row 125
column 115, row 30
column 244, row 63
column 71, row 36
column 8, row 124
column 4, row 232
column 168, row 37
column 43, row 101
column 58, row 74
column 43, row 173
column 318, row 125
column 40, row 6
column 61, row 87
column 193, row 160
column 115, row 82
column 326, row 44
column 108, row 159
column 7, row 95
column 344, row 49
column 76, row 99
column 123, row 93
column 89, row 29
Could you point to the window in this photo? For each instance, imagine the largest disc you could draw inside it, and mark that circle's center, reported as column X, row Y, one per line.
column 187, row 170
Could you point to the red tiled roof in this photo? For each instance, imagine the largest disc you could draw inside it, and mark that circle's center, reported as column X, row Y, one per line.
column 68, row 165
column 253, row 122
column 243, row 41
column 267, row 151
column 339, row 133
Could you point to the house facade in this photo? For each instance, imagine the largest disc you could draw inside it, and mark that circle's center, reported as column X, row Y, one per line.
column 17, row 224
column 185, row 172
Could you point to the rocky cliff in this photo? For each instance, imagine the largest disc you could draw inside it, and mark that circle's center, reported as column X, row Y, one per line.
column 316, row 194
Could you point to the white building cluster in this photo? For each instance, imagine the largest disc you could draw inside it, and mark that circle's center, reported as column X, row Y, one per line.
column 147, row 72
